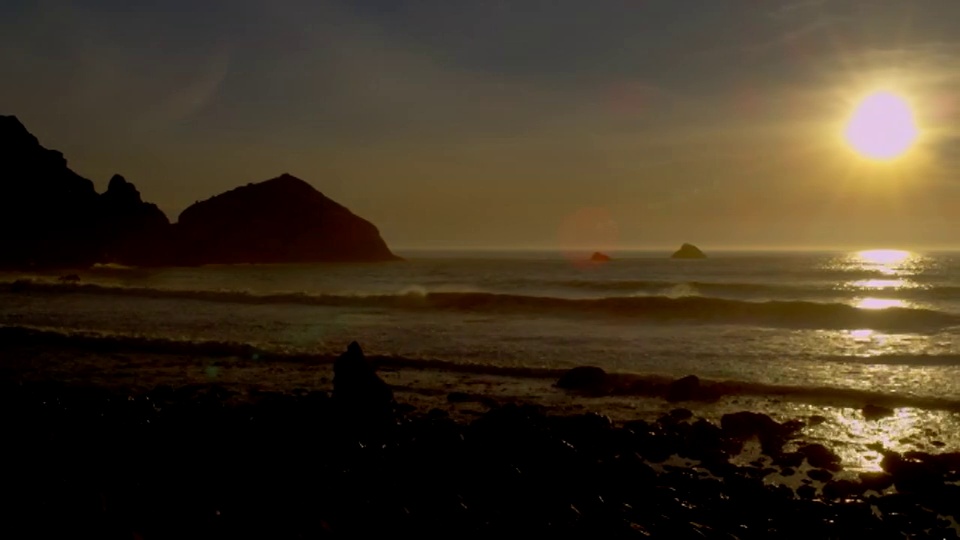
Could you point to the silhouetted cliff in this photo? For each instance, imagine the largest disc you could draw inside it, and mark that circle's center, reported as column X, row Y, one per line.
column 52, row 217
column 48, row 213
column 280, row 220
column 132, row 232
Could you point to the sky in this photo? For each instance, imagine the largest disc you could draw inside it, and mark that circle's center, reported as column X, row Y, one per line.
column 553, row 124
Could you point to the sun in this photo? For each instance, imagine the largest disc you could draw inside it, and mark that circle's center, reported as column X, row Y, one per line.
column 882, row 127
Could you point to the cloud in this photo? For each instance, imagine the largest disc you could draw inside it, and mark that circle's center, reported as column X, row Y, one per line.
column 794, row 9
column 806, row 30
column 103, row 73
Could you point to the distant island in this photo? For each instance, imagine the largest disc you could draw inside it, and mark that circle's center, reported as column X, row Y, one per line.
column 688, row 251
column 599, row 257
column 51, row 217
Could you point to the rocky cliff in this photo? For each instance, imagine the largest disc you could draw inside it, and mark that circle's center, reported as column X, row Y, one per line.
column 131, row 231
column 48, row 213
column 53, row 217
column 280, row 220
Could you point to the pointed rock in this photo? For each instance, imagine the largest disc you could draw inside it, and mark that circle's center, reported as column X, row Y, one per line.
column 283, row 220
column 688, row 251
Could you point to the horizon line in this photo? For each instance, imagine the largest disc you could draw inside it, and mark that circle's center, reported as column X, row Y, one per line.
column 635, row 249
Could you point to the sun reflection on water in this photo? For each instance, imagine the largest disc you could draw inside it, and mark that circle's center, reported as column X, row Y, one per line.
column 891, row 433
column 880, row 284
column 880, row 303
column 897, row 268
column 889, row 262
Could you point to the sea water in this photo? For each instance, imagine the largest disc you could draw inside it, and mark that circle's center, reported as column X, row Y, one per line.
column 884, row 322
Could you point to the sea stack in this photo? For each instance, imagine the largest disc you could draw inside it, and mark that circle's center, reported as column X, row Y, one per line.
column 599, row 257
column 283, row 220
column 688, row 251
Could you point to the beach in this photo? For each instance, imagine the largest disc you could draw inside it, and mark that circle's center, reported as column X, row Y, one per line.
column 709, row 398
column 113, row 440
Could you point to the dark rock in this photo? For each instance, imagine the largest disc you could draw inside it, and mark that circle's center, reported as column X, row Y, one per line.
column 892, row 462
column 684, row 389
column 688, row 251
column 283, row 220
column 357, row 389
column 950, row 461
column 132, row 232
column 877, row 481
column 817, row 419
column 914, row 471
column 488, row 402
column 820, row 456
column 459, row 397
column 820, row 475
column 789, row 459
column 52, row 217
column 840, row 489
column 771, row 434
column 876, row 412
column 47, row 212
column 806, row 492
column 681, row 414
column 583, row 378
column 599, row 257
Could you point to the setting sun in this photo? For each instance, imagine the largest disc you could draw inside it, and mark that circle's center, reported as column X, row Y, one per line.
column 882, row 127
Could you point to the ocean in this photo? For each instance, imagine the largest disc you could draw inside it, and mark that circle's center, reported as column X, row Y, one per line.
column 879, row 324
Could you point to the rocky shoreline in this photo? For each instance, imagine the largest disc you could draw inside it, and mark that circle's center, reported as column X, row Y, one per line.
column 199, row 461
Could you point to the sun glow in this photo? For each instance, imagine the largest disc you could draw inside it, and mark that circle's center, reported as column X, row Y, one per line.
column 882, row 127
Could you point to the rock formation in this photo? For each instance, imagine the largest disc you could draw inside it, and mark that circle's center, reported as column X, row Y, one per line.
column 583, row 378
column 359, row 392
column 281, row 220
column 133, row 232
column 688, row 251
column 599, row 257
column 53, row 217
column 689, row 389
column 47, row 212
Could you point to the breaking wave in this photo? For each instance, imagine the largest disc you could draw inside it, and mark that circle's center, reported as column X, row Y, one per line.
column 649, row 309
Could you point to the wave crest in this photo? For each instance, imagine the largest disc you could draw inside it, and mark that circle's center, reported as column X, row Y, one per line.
column 649, row 309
